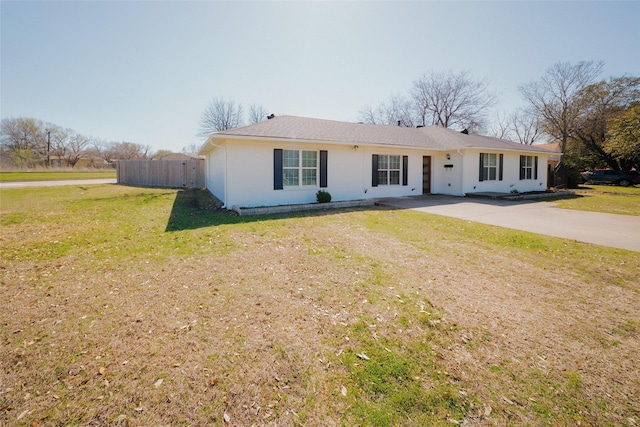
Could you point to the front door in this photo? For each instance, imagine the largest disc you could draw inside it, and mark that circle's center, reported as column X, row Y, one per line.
column 426, row 174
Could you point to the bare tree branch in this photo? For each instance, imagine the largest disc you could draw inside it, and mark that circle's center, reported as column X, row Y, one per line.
column 396, row 110
column 257, row 114
column 452, row 100
column 501, row 128
column 220, row 115
column 526, row 126
column 554, row 97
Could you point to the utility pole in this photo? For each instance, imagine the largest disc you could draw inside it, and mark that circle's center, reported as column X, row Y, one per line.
column 48, row 147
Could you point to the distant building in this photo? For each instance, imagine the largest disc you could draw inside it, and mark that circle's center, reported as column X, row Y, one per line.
column 179, row 156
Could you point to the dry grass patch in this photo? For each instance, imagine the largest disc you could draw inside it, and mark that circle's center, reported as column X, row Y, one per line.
column 142, row 307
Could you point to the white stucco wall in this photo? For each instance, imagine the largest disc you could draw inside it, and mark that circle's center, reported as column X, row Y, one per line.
column 240, row 173
column 215, row 172
column 447, row 180
column 510, row 174
column 249, row 174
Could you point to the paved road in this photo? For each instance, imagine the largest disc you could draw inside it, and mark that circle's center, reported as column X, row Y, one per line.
column 22, row 184
column 617, row 231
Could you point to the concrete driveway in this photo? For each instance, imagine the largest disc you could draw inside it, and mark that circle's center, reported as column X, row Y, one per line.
column 616, row 231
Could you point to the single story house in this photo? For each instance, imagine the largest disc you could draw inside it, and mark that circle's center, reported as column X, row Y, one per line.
column 287, row 159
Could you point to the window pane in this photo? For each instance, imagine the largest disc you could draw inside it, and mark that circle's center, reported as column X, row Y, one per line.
column 309, row 159
column 382, row 177
column 492, row 159
column 492, row 174
column 290, row 177
column 308, row 176
column 394, row 162
column 394, row 177
column 290, row 158
column 383, row 162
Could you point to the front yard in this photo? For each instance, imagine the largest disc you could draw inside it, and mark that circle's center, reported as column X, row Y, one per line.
column 605, row 198
column 132, row 306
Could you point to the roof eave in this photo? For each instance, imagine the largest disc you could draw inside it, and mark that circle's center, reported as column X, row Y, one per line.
column 319, row 141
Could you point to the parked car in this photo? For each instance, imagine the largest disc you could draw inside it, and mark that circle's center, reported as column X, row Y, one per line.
column 611, row 176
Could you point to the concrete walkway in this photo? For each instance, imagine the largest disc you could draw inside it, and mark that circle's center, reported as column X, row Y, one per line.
column 616, row 231
column 21, row 184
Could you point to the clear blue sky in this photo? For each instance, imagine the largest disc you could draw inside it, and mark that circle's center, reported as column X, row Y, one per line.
column 144, row 71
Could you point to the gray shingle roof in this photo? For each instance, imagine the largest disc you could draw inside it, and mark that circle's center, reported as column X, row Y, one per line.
column 319, row 130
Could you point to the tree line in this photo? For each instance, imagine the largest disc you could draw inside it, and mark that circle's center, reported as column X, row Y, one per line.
column 29, row 142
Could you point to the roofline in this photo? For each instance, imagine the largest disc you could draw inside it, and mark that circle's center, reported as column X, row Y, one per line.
column 317, row 141
column 223, row 137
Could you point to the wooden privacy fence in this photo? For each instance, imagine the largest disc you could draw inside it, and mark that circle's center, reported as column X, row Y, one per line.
column 162, row 173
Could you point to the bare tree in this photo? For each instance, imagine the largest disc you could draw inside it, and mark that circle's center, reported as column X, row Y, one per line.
column 220, row 115
column 397, row 110
column 501, row 128
column 100, row 149
column 257, row 114
column 125, row 151
column 59, row 139
column 451, row 100
column 24, row 140
column 76, row 147
column 526, row 126
column 554, row 97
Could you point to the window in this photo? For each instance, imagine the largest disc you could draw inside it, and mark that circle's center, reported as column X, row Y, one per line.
column 385, row 169
column 299, row 168
column 295, row 168
column 491, row 167
column 528, row 167
column 388, row 170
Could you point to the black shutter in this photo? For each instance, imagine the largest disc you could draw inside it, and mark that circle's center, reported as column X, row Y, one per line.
column 522, row 174
column 277, row 169
column 374, row 170
column 480, row 177
column 323, row 168
column 535, row 168
column 501, row 164
column 405, row 170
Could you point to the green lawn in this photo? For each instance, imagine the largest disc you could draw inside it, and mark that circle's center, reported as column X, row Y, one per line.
column 605, row 198
column 140, row 306
column 55, row 175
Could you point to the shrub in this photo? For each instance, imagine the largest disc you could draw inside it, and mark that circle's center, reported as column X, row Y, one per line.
column 323, row 196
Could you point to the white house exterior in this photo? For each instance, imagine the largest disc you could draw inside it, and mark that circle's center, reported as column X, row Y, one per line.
column 287, row 159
